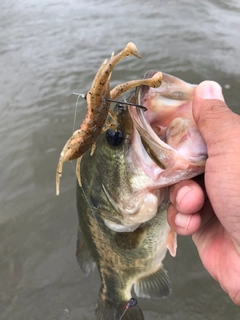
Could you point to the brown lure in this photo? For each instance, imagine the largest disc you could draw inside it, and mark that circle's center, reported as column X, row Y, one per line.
column 98, row 108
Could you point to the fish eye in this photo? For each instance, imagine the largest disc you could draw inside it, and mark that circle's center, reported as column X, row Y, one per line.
column 114, row 138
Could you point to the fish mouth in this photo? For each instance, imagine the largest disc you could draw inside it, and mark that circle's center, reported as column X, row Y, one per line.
column 167, row 130
column 117, row 227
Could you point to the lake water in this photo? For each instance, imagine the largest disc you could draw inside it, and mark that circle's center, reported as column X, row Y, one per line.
column 48, row 49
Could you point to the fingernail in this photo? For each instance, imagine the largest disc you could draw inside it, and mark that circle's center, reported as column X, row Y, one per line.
column 182, row 220
column 181, row 193
column 210, row 90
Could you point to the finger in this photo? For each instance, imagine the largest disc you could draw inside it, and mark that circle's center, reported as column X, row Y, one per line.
column 187, row 196
column 183, row 224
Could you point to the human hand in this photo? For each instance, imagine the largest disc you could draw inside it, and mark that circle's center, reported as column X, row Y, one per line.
column 209, row 207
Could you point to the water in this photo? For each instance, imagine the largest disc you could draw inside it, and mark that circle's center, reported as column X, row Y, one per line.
column 48, row 49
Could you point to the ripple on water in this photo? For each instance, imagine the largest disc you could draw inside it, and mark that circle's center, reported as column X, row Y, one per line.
column 48, row 49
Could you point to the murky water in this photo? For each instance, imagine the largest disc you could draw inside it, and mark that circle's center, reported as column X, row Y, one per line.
column 48, row 49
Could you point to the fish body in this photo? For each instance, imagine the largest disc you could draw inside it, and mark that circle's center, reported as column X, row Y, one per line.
column 124, row 259
column 123, row 197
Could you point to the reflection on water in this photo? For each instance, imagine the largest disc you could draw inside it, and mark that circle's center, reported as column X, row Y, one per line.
column 49, row 49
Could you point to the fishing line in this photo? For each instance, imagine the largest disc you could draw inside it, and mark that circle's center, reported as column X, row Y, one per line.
column 80, row 95
column 88, row 203
column 131, row 303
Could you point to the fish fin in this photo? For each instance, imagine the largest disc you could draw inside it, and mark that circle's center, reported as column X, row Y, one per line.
column 130, row 240
column 84, row 257
column 155, row 285
column 172, row 242
column 108, row 310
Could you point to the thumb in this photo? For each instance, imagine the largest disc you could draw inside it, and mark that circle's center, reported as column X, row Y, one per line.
column 220, row 128
column 216, row 122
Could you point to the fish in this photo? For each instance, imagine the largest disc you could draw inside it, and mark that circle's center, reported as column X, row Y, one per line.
column 122, row 197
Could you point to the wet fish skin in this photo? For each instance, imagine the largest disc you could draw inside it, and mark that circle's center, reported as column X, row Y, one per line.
column 123, row 197
column 124, row 259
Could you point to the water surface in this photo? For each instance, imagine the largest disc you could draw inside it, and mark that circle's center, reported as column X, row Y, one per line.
column 48, row 49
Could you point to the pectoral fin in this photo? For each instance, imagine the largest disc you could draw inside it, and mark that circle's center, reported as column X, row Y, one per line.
column 155, row 285
column 172, row 243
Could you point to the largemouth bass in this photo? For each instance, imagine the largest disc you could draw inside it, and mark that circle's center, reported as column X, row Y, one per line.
column 123, row 197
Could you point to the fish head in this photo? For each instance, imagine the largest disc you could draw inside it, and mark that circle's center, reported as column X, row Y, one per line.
column 133, row 165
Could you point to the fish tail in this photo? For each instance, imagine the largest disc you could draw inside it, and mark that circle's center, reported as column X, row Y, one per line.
column 108, row 310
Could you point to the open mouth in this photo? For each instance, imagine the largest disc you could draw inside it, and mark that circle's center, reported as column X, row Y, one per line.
column 167, row 129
